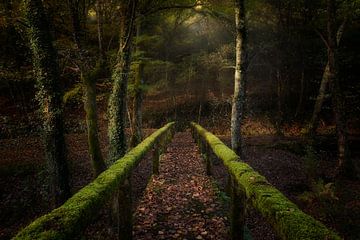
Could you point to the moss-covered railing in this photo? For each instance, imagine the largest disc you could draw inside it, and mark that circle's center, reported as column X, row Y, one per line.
column 249, row 187
column 70, row 219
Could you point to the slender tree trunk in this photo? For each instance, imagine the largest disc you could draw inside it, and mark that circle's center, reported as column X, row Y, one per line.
column 75, row 21
column 100, row 28
column 319, row 102
column 301, row 95
column 238, row 104
column 324, row 85
column 345, row 167
column 90, row 106
column 50, row 98
column 137, row 134
column 120, row 76
column 280, row 108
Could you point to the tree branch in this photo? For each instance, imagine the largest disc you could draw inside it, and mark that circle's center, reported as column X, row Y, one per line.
column 132, row 19
column 322, row 37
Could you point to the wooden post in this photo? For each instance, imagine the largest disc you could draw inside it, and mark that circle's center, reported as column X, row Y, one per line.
column 125, row 211
column 206, row 156
column 164, row 140
column 156, row 159
column 237, row 211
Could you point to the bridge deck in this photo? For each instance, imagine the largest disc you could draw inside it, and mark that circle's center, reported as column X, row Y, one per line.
column 181, row 202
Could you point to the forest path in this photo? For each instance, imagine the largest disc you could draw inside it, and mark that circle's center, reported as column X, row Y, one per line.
column 182, row 201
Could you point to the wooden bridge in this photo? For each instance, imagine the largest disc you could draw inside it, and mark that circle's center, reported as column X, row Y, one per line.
column 247, row 188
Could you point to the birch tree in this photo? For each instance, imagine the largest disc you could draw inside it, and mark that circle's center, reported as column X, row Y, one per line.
column 238, row 102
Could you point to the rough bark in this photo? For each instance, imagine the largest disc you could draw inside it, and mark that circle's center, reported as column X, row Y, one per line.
column 50, row 99
column 120, row 76
column 239, row 97
column 137, row 134
column 117, row 103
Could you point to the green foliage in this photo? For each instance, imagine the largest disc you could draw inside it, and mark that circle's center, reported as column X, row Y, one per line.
column 73, row 95
column 321, row 191
column 287, row 219
column 131, row 88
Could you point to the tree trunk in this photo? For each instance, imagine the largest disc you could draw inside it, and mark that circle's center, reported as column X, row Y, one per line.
column 137, row 134
column 117, row 102
column 345, row 166
column 75, row 21
column 89, row 84
column 89, row 78
column 319, row 102
column 280, row 98
column 237, row 113
column 120, row 76
column 100, row 28
column 50, row 98
column 314, row 122
column 301, row 95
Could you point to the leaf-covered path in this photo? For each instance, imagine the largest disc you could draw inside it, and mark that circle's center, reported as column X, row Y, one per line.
column 181, row 202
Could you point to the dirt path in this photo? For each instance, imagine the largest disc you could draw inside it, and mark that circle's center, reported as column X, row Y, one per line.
column 182, row 202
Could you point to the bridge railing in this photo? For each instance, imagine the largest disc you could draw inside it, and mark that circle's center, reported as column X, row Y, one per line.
column 249, row 187
column 71, row 218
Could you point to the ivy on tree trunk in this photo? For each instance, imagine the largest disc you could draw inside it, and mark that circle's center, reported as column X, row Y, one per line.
column 49, row 96
column 120, row 76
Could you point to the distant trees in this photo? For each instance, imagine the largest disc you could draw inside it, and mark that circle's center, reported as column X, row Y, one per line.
column 50, row 98
column 137, row 133
column 332, row 83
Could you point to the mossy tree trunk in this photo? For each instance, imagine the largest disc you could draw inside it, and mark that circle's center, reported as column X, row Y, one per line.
column 345, row 166
column 50, row 99
column 137, row 134
column 90, row 106
column 238, row 103
column 117, row 111
column 120, row 76
column 89, row 78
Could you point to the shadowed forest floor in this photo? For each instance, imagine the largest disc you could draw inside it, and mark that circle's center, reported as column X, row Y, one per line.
column 181, row 201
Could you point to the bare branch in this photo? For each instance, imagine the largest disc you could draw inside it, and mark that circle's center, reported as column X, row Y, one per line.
column 322, row 37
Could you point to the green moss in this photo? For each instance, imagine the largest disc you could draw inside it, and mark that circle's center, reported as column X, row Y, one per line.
column 76, row 213
column 287, row 219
